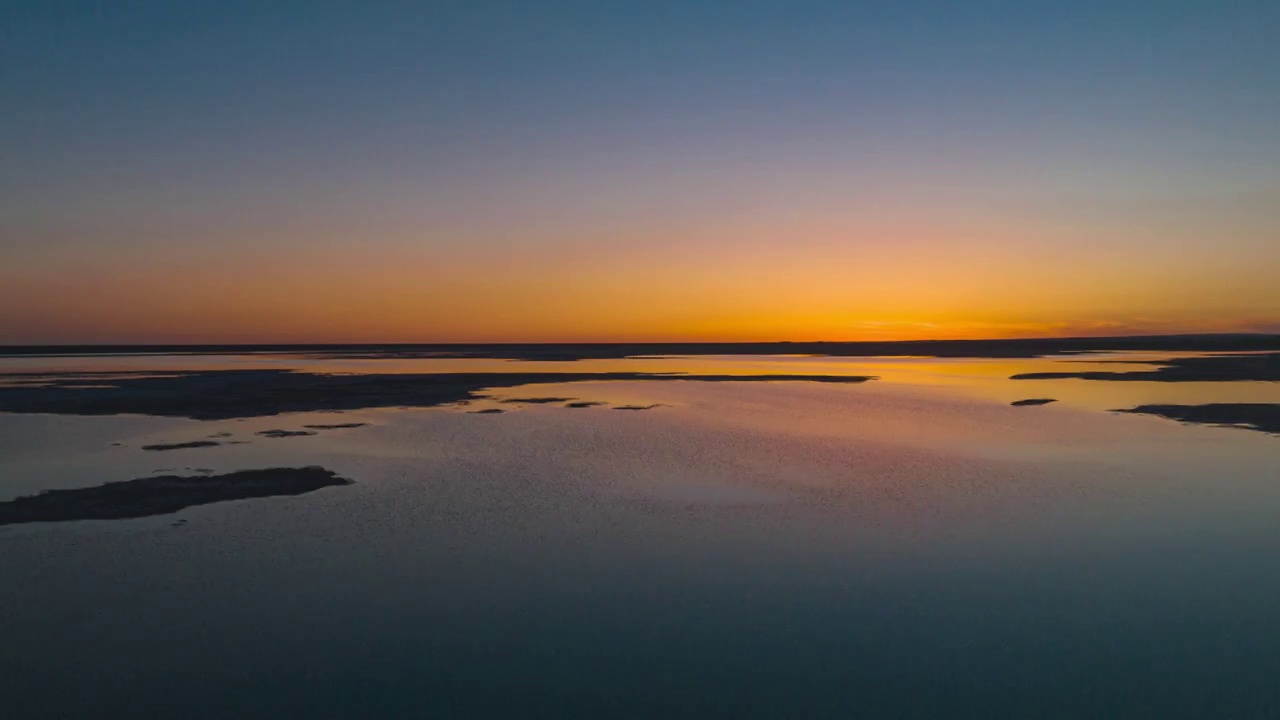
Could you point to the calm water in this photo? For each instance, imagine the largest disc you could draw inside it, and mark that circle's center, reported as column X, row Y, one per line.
column 908, row 547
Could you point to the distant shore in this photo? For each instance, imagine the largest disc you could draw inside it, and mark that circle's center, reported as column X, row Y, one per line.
column 1007, row 348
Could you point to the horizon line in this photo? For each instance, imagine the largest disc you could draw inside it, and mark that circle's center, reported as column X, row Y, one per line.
column 916, row 341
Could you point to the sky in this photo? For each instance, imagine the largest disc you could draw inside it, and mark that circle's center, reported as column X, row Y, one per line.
column 484, row 171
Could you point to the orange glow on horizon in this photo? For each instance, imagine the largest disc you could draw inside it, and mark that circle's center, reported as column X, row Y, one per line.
column 918, row 280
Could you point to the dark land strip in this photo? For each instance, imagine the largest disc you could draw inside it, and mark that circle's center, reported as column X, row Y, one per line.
column 1263, row 367
column 1027, row 347
column 1263, row 417
column 161, row 495
column 285, row 433
column 225, row 394
column 181, row 445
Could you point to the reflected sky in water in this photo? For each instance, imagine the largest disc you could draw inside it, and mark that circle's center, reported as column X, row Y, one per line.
column 981, row 378
column 908, row 547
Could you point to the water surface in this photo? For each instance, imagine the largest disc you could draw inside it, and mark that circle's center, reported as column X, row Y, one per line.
column 907, row 547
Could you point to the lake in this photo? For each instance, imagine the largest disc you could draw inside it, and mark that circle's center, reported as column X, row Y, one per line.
column 909, row 546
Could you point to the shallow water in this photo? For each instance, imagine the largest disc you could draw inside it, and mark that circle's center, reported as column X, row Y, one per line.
column 907, row 547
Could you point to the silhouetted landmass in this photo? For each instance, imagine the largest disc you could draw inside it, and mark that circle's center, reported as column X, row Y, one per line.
column 487, row 411
column 223, row 394
column 163, row 494
column 636, row 407
column 1031, row 347
column 285, row 433
column 583, row 404
column 182, row 445
column 1211, row 368
column 1264, row 417
column 1032, row 401
column 538, row 400
column 336, row 426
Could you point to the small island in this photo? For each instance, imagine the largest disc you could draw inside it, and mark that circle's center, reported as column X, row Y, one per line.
column 285, row 433
column 164, row 494
column 1263, row 417
column 181, row 446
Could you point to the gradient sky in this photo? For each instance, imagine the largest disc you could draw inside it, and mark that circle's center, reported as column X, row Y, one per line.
column 699, row 169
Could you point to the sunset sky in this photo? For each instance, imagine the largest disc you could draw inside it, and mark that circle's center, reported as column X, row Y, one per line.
column 251, row 171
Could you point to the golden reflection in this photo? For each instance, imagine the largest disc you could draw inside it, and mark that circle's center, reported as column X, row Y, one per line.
column 984, row 379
